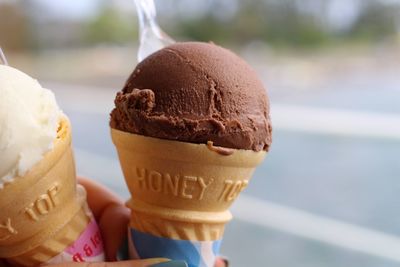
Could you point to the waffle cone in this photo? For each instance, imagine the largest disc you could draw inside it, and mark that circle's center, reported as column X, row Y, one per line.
column 42, row 204
column 182, row 190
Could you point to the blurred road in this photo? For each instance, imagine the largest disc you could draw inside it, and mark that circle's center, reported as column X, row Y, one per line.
column 325, row 196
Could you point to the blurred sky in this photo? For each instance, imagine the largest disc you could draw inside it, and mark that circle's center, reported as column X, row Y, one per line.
column 71, row 9
column 341, row 12
column 79, row 9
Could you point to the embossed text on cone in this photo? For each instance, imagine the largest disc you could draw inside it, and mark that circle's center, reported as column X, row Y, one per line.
column 61, row 239
column 182, row 190
column 40, row 205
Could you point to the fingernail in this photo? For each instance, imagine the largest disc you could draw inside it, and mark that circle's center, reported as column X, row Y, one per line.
column 170, row 264
column 226, row 260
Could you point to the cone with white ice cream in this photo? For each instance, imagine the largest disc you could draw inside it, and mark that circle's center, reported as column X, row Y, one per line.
column 43, row 211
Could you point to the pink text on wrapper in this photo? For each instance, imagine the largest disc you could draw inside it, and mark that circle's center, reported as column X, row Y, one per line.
column 88, row 245
column 87, row 248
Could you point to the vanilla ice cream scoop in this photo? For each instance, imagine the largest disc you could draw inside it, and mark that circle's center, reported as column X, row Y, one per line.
column 29, row 119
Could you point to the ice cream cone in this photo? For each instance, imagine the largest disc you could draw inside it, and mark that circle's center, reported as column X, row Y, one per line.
column 176, row 100
column 182, row 190
column 41, row 212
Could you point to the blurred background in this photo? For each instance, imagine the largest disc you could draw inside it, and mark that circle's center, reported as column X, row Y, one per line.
column 328, row 193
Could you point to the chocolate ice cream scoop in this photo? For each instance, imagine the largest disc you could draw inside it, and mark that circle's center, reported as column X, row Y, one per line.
column 195, row 92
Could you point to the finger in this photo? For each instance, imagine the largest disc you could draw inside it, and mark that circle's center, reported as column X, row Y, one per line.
column 221, row 262
column 113, row 224
column 135, row 263
column 98, row 196
column 111, row 214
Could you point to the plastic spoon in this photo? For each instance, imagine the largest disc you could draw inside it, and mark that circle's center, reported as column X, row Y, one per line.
column 152, row 38
column 3, row 58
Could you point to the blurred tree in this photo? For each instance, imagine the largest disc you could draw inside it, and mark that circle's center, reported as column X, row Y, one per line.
column 14, row 32
column 278, row 23
column 289, row 26
column 376, row 21
column 110, row 25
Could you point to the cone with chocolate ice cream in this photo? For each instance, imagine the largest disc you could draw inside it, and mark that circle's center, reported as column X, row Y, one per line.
column 190, row 126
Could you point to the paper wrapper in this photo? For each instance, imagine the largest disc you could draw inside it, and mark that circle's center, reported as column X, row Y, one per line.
column 181, row 192
column 43, row 212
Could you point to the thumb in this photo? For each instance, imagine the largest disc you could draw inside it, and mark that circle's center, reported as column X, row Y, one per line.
column 131, row 263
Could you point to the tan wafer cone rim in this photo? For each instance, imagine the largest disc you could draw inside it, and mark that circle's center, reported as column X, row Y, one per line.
column 183, row 151
column 147, row 157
